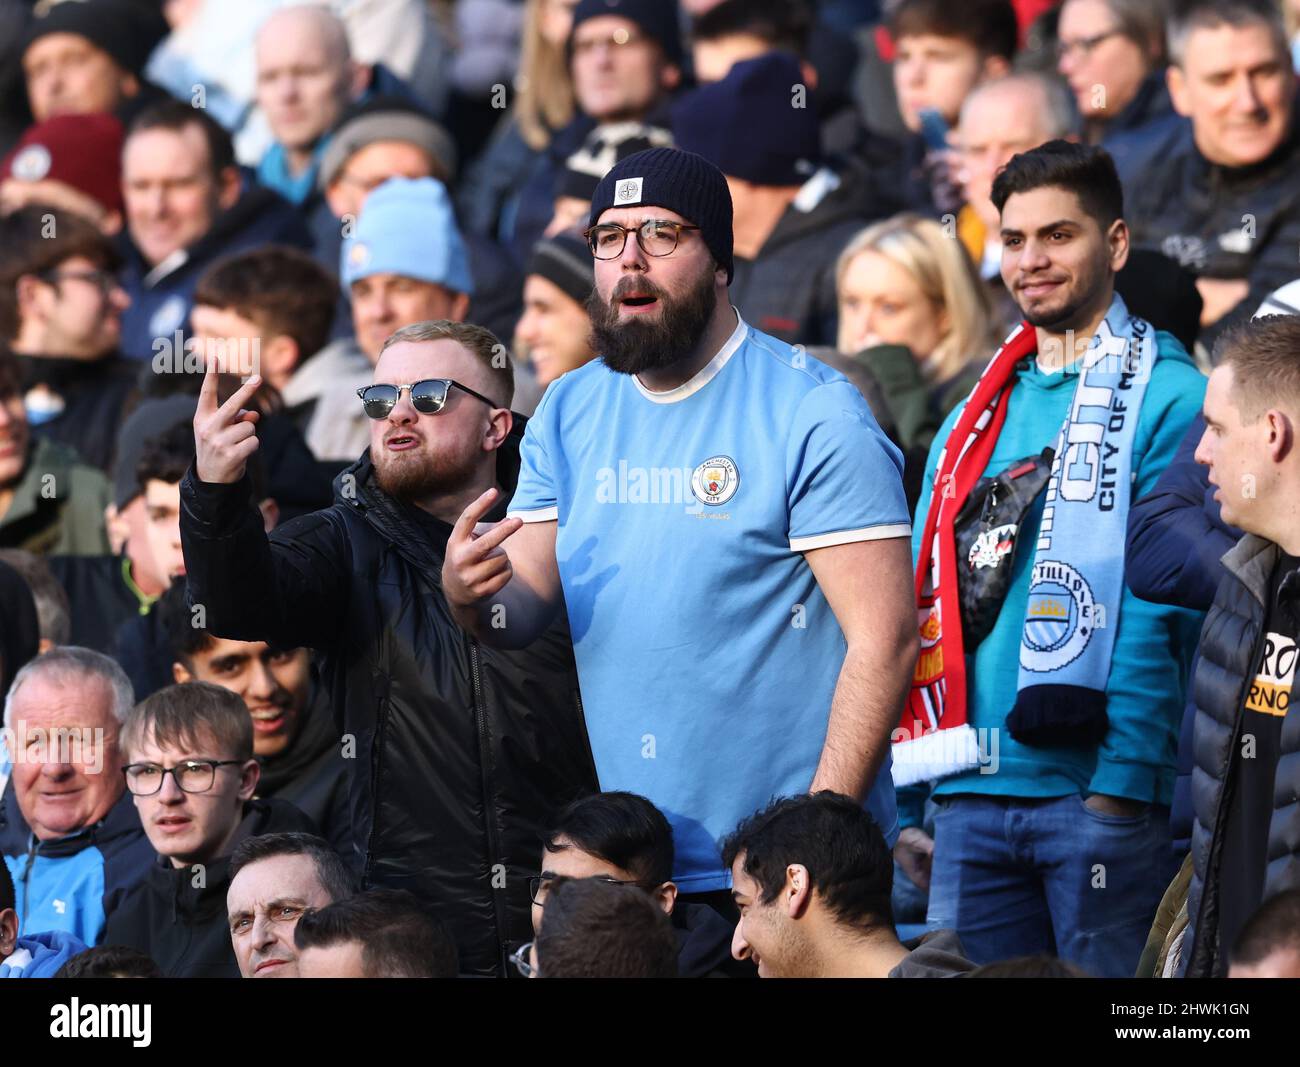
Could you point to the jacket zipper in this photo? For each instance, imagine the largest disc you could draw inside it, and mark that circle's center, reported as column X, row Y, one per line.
column 376, row 770
column 484, row 753
column 1215, row 839
column 27, row 881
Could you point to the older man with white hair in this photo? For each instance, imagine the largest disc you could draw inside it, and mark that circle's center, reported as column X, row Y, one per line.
column 69, row 833
column 306, row 77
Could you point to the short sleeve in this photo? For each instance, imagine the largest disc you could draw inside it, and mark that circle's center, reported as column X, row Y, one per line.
column 845, row 478
column 536, row 498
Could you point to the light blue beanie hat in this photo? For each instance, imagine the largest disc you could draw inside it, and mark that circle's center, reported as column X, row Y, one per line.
column 407, row 227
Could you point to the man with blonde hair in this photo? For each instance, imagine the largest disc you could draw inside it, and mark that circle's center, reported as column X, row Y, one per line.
column 457, row 746
column 1245, row 784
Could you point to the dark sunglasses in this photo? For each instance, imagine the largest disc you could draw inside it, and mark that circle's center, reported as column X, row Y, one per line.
column 427, row 397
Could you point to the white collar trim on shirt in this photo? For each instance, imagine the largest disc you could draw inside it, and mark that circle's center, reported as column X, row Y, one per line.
column 704, row 375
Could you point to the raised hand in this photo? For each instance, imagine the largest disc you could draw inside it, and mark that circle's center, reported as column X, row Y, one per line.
column 476, row 566
column 224, row 435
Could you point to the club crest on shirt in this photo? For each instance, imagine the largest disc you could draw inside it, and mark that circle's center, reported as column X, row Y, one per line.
column 715, row 481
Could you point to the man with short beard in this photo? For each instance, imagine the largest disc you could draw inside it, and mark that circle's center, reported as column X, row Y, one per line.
column 1036, row 653
column 726, row 524
column 457, row 747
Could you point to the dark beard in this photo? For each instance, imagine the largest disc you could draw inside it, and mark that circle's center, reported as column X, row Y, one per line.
column 1069, row 316
column 637, row 345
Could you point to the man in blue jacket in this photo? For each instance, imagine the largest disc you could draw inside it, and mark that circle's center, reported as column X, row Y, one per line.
column 187, row 204
column 1051, row 728
column 37, row 955
column 69, row 834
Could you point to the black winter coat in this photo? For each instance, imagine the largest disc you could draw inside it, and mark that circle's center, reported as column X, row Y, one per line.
column 1176, row 541
column 1229, row 648
column 462, row 751
column 179, row 919
column 1218, row 222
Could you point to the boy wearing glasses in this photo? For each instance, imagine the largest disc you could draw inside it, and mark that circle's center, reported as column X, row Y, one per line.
column 191, row 772
column 61, row 314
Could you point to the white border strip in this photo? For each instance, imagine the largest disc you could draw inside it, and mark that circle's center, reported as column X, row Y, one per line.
column 705, row 374
column 847, row 537
column 551, row 514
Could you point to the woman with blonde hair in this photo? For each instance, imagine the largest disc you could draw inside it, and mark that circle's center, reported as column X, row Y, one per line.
column 912, row 309
column 542, row 104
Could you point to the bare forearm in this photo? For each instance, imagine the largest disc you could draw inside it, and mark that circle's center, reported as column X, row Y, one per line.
column 869, row 696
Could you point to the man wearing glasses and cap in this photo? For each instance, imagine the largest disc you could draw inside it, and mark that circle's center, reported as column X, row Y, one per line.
column 459, row 747
column 725, row 523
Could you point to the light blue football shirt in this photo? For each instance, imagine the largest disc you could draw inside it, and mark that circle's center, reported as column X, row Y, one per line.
column 706, row 652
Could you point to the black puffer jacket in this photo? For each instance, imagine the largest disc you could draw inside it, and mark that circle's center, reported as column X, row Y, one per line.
column 462, row 751
column 1218, row 222
column 1229, row 648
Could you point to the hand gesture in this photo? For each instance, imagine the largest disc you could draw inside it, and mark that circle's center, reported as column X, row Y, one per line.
column 226, row 435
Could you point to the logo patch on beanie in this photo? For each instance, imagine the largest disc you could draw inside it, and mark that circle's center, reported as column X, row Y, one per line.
column 628, row 191
column 31, row 164
column 358, row 256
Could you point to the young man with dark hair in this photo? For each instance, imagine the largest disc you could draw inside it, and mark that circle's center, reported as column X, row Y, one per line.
column 190, row 768
column 1269, row 943
column 50, row 501
column 812, row 877
column 60, row 313
column 1216, row 191
column 596, row 929
column 274, row 879
column 381, row 933
column 1048, row 656
column 142, row 642
column 108, row 587
column 187, row 204
column 273, row 297
column 622, row 837
column 1246, row 780
column 943, row 50
column 294, row 740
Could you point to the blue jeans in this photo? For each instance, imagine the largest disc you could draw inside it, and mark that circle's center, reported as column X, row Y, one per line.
column 1016, row 876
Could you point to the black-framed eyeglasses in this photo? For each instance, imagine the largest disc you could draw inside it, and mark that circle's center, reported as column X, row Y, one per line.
column 539, row 886
column 519, row 957
column 1084, row 45
column 102, row 280
column 657, row 237
column 191, row 775
column 428, row 396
